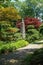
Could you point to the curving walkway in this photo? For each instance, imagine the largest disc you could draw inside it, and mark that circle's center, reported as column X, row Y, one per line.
column 16, row 57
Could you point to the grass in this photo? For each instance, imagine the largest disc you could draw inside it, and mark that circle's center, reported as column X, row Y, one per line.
column 4, row 47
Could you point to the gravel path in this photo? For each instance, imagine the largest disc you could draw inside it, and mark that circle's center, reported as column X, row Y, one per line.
column 14, row 58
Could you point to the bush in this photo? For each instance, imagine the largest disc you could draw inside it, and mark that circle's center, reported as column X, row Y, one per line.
column 41, row 29
column 12, row 29
column 34, row 59
column 30, row 21
column 9, row 14
column 8, row 32
column 17, row 36
column 32, row 35
column 12, row 46
column 21, row 43
column 32, row 31
column 30, row 27
column 7, row 22
column 33, row 38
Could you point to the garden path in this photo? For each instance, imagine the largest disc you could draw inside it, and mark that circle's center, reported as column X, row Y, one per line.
column 16, row 57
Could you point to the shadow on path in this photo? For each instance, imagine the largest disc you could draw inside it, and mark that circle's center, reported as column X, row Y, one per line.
column 14, row 58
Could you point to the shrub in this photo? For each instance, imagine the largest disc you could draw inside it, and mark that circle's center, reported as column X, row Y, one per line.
column 7, row 31
column 13, row 29
column 34, row 59
column 32, row 38
column 30, row 21
column 32, row 35
column 21, row 43
column 9, row 14
column 30, row 27
column 12, row 46
column 33, row 31
column 41, row 29
column 17, row 36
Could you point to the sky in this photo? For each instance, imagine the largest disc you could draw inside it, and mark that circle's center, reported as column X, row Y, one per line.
column 19, row 0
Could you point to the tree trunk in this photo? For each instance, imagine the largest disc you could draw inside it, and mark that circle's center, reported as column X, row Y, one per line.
column 23, row 29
